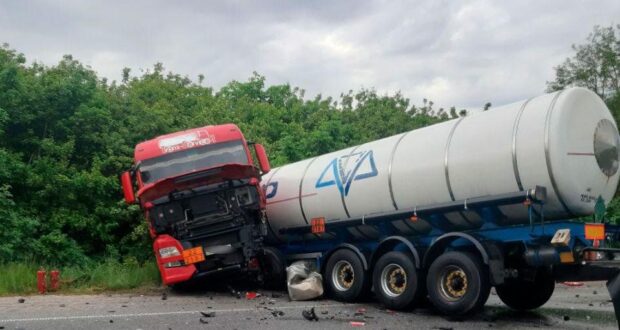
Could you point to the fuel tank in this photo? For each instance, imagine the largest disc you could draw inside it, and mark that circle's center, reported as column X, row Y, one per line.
column 566, row 141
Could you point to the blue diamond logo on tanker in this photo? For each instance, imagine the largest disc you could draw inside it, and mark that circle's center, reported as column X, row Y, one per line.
column 340, row 172
column 343, row 171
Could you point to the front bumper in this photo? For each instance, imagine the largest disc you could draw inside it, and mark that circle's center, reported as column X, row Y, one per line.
column 175, row 275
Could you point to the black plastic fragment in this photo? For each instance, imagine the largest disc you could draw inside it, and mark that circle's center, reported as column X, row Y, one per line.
column 310, row 315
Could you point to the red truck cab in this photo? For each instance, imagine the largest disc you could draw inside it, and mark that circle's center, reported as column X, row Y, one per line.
column 199, row 190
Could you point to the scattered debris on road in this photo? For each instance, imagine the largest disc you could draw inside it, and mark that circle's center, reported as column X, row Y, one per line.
column 209, row 314
column 251, row 295
column 566, row 318
column 206, row 315
column 389, row 311
column 310, row 315
column 21, row 300
column 164, row 296
column 234, row 292
column 274, row 312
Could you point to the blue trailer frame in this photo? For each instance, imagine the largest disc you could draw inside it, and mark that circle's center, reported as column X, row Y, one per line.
column 569, row 260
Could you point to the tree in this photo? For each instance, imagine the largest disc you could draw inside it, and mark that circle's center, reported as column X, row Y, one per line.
column 595, row 65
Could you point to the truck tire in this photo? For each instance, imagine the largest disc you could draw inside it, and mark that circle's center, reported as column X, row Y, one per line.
column 521, row 295
column 457, row 283
column 345, row 276
column 274, row 268
column 396, row 281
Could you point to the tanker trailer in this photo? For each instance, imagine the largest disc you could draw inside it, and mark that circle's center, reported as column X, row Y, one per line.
column 452, row 209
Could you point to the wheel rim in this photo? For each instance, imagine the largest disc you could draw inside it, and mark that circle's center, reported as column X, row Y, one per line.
column 453, row 283
column 393, row 280
column 343, row 275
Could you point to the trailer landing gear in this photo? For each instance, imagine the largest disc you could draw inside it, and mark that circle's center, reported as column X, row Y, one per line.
column 458, row 283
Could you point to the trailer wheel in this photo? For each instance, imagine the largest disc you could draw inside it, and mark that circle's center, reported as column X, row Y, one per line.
column 396, row 280
column 457, row 283
column 345, row 276
column 522, row 295
column 274, row 268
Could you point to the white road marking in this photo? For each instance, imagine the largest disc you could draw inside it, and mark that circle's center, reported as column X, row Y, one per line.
column 232, row 310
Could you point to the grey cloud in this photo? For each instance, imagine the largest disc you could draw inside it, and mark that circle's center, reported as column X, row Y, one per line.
column 455, row 53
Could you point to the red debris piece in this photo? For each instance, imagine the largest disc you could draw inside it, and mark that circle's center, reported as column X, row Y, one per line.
column 250, row 295
column 573, row 283
column 357, row 324
column 361, row 310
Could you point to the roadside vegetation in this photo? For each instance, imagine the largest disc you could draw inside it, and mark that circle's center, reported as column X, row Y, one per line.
column 66, row 134
column 106, row 275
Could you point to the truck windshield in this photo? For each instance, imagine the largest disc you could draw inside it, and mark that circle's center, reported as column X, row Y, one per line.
column 190, row 160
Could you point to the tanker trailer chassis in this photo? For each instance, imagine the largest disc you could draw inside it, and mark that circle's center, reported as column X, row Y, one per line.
column 456, row 267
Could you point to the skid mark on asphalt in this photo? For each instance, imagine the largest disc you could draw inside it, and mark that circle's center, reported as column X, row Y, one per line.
column 231, row 310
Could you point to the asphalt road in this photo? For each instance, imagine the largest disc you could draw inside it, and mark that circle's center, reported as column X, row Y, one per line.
column 570, row 308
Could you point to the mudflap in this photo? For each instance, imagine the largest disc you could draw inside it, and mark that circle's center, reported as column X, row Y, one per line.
column 613, row 286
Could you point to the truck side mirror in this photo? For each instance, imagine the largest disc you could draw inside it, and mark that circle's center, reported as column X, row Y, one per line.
column 262, row 158
column 130, row 198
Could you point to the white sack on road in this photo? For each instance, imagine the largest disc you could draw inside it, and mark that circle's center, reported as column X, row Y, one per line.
column 303, row 282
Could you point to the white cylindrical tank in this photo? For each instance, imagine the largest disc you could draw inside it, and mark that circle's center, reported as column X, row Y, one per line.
column 566, row 141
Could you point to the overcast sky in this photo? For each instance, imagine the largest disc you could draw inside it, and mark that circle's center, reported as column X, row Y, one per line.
column 461, row 53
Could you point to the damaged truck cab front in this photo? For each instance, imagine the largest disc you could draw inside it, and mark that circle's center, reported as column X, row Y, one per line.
column 199, row 190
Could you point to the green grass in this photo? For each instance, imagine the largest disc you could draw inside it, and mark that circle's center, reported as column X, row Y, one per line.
column 109, row 275
column 18, row 278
